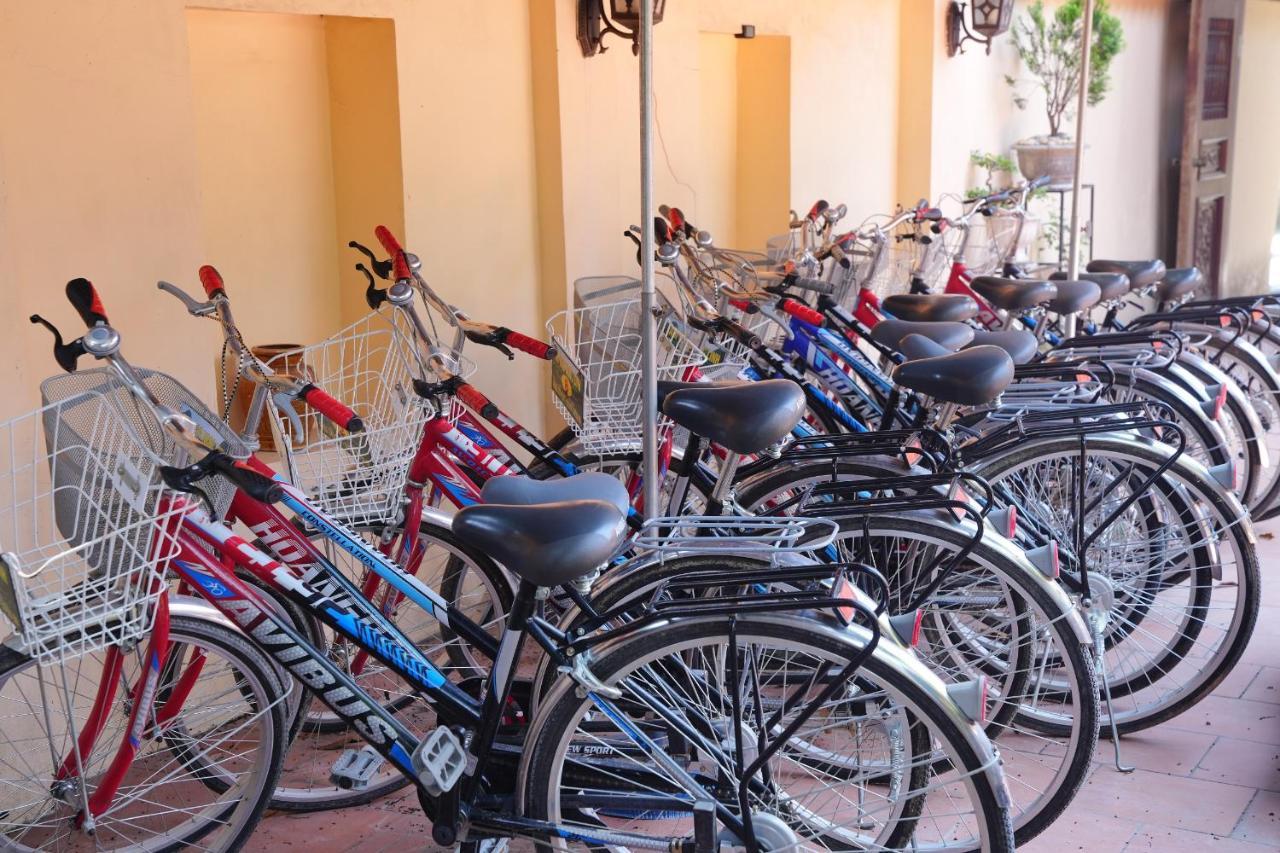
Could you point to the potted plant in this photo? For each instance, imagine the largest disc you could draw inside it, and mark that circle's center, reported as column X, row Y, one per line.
column 1049, row 47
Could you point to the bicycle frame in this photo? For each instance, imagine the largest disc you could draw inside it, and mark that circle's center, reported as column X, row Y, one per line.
column 213, row 577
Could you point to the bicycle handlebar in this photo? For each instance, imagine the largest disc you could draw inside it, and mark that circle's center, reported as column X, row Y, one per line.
column 399, row 263
column 324, row 403
column 253, row 368
column 801, row 312
column 212, row 281
column 84, row 298
column 532, row 346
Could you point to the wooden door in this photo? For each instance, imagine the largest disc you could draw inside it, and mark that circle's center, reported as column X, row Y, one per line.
column 1213, row 69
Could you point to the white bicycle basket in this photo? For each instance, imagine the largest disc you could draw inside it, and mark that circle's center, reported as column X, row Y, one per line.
column 370, row 367
column 87, row 527
column 596, row 378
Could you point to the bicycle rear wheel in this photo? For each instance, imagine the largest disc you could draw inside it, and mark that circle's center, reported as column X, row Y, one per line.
column 1175, row 575
column 886, row 763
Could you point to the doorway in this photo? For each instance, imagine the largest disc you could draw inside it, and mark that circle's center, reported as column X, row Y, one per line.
column 298, row 133
column 744, row 187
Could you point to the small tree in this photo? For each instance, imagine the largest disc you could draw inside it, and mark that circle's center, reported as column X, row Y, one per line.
column 1050, row 49
column 993, row 164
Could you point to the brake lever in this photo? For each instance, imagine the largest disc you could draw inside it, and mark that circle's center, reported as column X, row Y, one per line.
column 67, row 355
column 382, row 268
column 284, row 403
column 194, row 308
column 373, row 295
column 487, row 340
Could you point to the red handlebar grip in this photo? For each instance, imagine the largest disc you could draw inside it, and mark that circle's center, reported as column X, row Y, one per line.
column 395, row 250
column 742, row 305
column 212, row 281
column 83, row 297
column 532, row 346
column 335, row 411
column 472, row 397
column 801, row 312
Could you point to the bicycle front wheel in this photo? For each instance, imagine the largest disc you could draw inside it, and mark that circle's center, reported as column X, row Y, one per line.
column 201, row 778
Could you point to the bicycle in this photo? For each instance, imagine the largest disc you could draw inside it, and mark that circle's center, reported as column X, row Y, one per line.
column 612, row 675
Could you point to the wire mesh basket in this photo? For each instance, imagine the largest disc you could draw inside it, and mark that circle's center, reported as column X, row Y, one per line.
column 784, row 247
column 596, row 377
column 369, row 366
column 86, row 525
column 982, row 252
column 884, row 269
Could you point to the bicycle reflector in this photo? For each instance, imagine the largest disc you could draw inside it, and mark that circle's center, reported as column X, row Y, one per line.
column 971, row 697
column 907, row 626
column 843, row 590
column 1218, row 400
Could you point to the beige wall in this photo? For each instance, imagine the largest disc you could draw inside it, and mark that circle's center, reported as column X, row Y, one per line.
column 1255, row 177
column 764, row 161
column 507, row 160
column 717, row 177
column 101, row 174
column 260, row 89
column 97, row 148
column 743, row 179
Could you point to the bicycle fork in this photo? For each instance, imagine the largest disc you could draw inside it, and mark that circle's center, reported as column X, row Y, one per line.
column 140, row 723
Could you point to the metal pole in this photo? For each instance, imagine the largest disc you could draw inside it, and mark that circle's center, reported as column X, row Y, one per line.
column 649, row 365
column 1073, row 261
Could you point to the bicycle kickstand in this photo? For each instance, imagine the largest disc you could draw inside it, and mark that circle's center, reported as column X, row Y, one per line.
column 1096, row 618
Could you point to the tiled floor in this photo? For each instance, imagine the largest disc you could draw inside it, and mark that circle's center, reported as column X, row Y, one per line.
column 1206, row 781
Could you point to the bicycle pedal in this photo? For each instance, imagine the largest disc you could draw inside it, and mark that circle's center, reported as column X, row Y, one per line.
column 439, row 761
column 355, row 768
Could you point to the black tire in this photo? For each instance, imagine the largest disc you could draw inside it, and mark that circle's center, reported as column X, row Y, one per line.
column 1230, row 532
column 558, row 721
column 939, row 625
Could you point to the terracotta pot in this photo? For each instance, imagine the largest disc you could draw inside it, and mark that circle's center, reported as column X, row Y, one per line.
column 1054, row 158
column 239, row 410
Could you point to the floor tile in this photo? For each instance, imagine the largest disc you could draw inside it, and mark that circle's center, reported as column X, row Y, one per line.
column 1161, row 839
column 1260, row 822
column 1241, row 762
column 1161, row 750
column 1238, row 680
column 1265, row 687
column 1238, row 718
column 1160, row 799
column 1077, row 830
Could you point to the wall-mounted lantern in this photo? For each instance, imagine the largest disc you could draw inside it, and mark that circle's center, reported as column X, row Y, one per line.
column 622, row 19
column 990, row 19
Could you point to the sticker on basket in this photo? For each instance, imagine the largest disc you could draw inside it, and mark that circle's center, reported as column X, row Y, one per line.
column 129, row 482
column 567, row 385
column 206, row 433
column 9, row 595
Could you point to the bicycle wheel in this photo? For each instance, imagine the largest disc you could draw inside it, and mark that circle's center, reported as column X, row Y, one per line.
column 202, row 780
column 1174, row 577
column 994, row 616
column 473, row 585
column 882, row 765
column 1255, row 375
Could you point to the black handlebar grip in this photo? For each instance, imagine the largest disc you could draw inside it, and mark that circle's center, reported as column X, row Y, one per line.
column 84, row 298
column 256, row 485
column 816, row 285
column 742, row 334
column 1039, row 182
